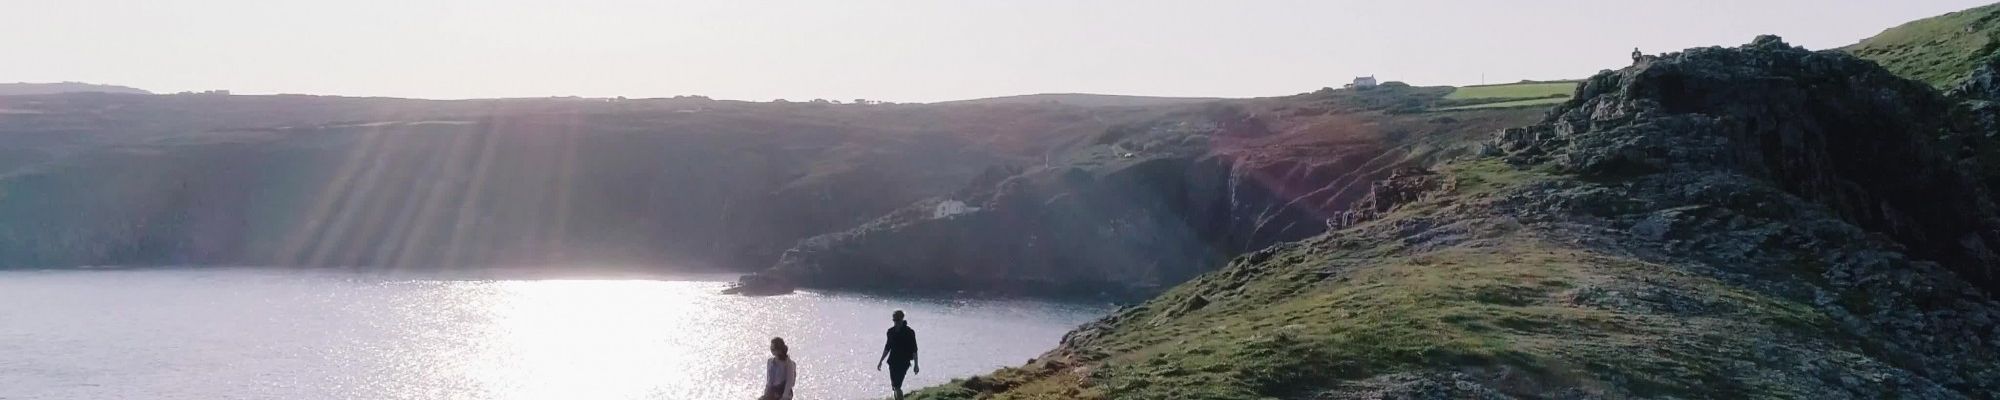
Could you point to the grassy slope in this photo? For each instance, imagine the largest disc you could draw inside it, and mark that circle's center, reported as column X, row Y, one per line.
column 1318, row 316
column 1324, row 316
column 1088, row 100
column 1517, row 90
column 1939, row 50
column 1505, row 104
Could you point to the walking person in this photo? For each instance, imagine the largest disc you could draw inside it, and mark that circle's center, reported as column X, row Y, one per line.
column 780, row 373
column 900, row 352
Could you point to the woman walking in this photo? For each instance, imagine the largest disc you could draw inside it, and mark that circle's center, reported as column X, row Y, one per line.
column 779, row 372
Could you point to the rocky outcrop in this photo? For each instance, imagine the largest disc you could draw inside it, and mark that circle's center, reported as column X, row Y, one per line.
column 1829, row 128
column 1975, row 138
column 760, row 285
column 1404, row 186
column 1751, row 222
column 1982, row 84
column 1809, row 176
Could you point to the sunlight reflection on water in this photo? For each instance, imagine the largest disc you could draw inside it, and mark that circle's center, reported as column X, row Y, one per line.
column 200, row 334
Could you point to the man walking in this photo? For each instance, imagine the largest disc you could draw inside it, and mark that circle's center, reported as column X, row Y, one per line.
column 901, row 352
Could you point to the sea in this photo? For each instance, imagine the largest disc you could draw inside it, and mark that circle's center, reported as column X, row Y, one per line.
column 277, row 333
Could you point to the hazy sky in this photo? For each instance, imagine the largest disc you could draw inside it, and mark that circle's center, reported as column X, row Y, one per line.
column 887, row 50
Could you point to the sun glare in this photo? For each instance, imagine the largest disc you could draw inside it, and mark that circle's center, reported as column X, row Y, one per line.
column 597, row 339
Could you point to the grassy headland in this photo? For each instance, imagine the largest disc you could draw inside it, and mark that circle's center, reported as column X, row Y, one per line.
column 1940, row 50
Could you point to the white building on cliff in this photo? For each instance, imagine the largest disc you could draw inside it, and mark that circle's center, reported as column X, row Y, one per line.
column 1363, row 82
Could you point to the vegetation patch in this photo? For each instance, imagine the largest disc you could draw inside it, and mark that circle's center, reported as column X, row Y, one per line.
column 1523, row 94
column 1306, row 318
column 1940, row 50
column 1509, row 104
column 1514, row 91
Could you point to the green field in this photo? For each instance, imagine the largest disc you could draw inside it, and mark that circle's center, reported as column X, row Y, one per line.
column 1517, row 90
column 1505, row 104
column 1939, row 50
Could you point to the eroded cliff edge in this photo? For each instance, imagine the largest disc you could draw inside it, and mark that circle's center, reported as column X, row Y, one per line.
column 1145, row 205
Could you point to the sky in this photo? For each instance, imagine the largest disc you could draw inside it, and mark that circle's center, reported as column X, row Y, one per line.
column 894, row 50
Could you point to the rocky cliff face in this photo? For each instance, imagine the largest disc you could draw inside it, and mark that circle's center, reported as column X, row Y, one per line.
column 1132, row 223
column 1770, row 160
column 1751, row 222
column 1975, row 119
column 1136, row 208
column 1842, row 134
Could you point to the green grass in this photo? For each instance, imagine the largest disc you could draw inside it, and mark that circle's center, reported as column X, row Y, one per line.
column 1507, row 104
column 1507, row 96
column 1940, row 50
column 1513, row 91
column 1361, row 303
column 1495, row 307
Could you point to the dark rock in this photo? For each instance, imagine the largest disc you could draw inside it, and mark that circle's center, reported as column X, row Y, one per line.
column 1976, row 122
column 1761, row 164
column 1191, row 304
column 976, row 384
column 761, row 285
column 1982, row 84
column 1825, row 126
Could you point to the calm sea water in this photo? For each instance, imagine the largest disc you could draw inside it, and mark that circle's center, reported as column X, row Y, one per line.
column 288, row 334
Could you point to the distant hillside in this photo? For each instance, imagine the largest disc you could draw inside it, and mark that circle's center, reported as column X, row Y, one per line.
column 89, row 179
column 1087, row 100
column 17, row 89
column 1938, row 50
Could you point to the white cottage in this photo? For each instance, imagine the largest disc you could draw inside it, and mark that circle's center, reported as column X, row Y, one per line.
column 1363, row 82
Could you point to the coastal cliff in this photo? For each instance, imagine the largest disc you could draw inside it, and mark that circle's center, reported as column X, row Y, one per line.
column 1760, row 221
column 1142, row 206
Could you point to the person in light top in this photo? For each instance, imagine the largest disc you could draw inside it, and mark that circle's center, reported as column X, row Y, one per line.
column 780, row 373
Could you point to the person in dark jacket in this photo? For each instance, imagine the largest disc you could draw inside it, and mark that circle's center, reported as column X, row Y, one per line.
column 900, row 352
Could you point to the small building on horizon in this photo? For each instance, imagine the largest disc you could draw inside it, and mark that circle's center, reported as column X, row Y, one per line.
column 1362, row 82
